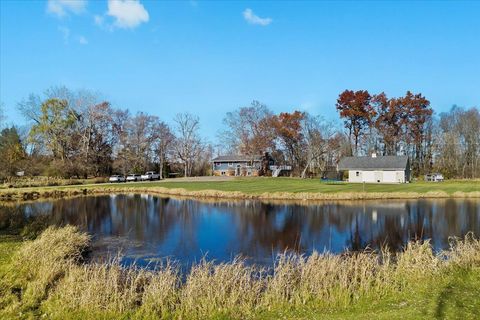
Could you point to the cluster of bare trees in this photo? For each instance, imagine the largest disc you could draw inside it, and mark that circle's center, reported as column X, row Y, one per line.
column 456, row 143
column 76, row 133
column 306, row 142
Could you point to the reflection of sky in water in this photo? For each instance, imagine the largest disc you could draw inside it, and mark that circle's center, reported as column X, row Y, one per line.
column 147, row 228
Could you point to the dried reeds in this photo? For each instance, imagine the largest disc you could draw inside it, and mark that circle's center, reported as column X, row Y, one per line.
column 54, row 280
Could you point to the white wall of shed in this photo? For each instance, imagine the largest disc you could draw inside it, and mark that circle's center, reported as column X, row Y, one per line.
column 376, row 176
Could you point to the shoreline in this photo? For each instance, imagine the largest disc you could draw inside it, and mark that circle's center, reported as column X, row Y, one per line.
column 57, row 193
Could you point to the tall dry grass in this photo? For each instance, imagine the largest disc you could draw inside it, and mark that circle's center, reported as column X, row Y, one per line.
column 55, row 282
column 40, row 264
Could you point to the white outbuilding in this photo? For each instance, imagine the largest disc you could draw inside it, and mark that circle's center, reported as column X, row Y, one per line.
column 376, row 169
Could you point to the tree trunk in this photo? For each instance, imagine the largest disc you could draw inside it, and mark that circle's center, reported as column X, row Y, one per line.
column 304, row 172
column 160, row 171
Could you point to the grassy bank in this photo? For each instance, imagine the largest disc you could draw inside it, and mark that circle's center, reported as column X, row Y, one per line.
column 43, row 181
column 49, row 278
column 262, row 188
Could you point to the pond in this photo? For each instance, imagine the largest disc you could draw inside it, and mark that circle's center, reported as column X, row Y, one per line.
column 146, row 229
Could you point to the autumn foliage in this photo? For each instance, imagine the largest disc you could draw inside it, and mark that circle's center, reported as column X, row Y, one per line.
column 389, row 126
column 356, row 109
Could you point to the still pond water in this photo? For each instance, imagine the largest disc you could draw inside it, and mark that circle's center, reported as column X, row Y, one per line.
column 146, row 229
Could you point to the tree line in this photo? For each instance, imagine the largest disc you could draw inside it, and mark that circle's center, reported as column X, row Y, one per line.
column 78, row 134
column 448, row 143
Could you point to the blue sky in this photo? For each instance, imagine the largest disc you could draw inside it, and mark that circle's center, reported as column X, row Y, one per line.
column 211, row 57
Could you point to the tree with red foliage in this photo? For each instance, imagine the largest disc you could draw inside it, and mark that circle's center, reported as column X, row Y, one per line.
column 388, row 123
column 355, row 107
column 417, row 113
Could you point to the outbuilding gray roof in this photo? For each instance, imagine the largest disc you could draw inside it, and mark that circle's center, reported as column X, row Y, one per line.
column 236, row 158
column 374, row 163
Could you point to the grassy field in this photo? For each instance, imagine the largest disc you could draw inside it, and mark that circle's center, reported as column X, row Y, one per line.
column 48, row 278
column 265, row 188
column 294, row 185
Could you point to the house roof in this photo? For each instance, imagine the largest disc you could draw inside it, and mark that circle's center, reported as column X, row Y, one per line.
column 374, row 163
column 236, row 158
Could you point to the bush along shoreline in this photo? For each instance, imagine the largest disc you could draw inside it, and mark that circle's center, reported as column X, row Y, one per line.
column 50, row 277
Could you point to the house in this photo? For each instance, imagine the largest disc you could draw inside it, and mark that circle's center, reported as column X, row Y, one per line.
column 376, row 169
column 241, row 165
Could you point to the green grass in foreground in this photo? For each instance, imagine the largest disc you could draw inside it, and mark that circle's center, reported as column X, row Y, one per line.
column 46, row 279
column 295, row 185
column 8, row 245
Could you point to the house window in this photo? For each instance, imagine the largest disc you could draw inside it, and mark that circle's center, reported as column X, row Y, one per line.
column 357, row 174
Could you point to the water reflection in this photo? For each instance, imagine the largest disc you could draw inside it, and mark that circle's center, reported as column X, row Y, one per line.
column 146, row 227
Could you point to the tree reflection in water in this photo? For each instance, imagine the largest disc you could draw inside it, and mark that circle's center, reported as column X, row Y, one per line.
column 146, row 227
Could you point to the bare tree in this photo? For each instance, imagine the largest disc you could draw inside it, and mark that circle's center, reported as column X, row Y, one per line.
column 137, row 143
column 317, row 136
column 458, row 143
column 188, row 144
column 248, row 130
column 99, row 136
column 203, row 165
column 163, row 138
column 121, row 119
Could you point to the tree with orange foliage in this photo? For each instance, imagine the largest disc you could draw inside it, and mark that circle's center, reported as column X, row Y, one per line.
column 288, row 131
column 356, row 109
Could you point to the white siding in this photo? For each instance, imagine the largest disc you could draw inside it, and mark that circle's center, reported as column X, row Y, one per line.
column 377, row 176
column 369, row 176
column 390, row 176
column 352, row 176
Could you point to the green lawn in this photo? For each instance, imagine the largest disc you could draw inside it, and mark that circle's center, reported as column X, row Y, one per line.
column 266, row 187
column 8, row 245
column 295, row 185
